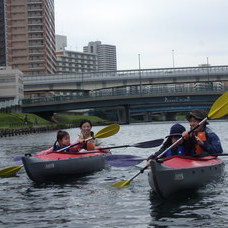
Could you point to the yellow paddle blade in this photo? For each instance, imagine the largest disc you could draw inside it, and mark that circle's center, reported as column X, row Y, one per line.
column 108, row 131
column 220, row 107
column 10, row 171
column 121, row 183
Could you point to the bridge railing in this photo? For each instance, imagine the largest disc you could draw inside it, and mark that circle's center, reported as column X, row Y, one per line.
column 125, row 91
column 127, row 74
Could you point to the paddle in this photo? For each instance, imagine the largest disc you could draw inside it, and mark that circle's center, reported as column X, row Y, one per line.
column 122, row 160
column 127, row 160
column 218, row 109
column 146, row 144
column 10, row 171
column 127, row 182
column 103, row 133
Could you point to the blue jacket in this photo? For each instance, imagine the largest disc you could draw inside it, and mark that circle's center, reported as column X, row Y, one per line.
column 185, row 149
column 57, row 147
column 179, row 150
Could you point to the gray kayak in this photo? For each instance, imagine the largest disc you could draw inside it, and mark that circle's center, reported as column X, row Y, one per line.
column 58, row 165
column 174, row 174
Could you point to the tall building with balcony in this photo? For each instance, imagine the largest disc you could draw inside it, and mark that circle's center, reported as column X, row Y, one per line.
column 106, row 55
column 27, row 36
column 73, row 61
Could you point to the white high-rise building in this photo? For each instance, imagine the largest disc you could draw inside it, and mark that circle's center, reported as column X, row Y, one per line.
column 106, row 55
column 60, row 42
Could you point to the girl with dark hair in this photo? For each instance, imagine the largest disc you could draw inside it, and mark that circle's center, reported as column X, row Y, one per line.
column 62, row 140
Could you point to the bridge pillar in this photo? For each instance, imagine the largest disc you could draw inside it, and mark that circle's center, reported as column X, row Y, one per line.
column 47, row 116
column 147, row 117
column 170, row 116
column 123, row 114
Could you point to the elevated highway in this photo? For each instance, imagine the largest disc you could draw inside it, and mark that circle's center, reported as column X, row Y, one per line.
column 65, row 84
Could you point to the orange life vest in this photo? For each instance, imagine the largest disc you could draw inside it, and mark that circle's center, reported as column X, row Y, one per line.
column 90, row 145
column 202, row 137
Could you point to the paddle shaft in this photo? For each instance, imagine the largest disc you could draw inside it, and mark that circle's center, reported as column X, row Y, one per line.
column 147, row 144
column 218, row 155
column 75, row 144
column 141, row 171
column 115, row 147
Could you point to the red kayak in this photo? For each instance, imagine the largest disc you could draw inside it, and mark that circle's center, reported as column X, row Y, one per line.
column 45, row 167
column 173, row 174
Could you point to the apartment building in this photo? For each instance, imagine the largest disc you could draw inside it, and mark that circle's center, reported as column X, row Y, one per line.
column 27, row 36
column 73, row 61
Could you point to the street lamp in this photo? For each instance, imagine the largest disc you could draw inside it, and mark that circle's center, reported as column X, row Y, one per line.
column 140, row 76
column 208, row 74
column 173, row 58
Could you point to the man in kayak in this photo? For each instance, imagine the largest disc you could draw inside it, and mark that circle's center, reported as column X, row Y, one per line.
column 205, row 141
column 183, row 148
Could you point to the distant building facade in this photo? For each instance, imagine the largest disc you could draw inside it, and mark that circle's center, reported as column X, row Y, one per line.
column 106, row 55
column 73, row 61
column 11, row 84
column 27, row 36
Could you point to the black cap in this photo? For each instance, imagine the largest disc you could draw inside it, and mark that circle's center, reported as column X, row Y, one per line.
column 176, row 130
column 197, row 114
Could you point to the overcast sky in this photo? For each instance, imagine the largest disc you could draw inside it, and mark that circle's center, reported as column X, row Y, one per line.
column 193, row 29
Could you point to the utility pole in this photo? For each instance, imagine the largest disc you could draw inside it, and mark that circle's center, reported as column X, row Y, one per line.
column 140, row 76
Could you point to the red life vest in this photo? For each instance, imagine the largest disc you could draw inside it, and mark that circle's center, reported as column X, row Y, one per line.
column 202, row 137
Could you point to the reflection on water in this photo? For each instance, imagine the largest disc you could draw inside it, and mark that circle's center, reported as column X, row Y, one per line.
column 91, row 201
column 195, row 208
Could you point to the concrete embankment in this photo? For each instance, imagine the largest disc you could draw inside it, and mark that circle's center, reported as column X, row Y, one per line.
column 30, row 130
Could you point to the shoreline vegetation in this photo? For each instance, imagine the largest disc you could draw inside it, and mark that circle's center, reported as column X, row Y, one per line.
column 25, row 123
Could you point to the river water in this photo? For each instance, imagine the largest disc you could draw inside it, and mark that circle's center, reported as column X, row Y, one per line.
column 91, row 201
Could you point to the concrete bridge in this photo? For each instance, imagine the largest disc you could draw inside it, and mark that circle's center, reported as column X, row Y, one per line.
column 126, row 104
column 74, row 84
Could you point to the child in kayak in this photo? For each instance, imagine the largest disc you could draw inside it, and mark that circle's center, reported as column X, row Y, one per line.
column 183, row 148
column 86, row 136
column 204, row 140
column 62, row 141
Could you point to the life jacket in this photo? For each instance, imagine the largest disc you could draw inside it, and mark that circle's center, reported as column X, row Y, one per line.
column 87, row 145
column 202, row 137
column 179, row 150
column 57, row 147
column 90, row 145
